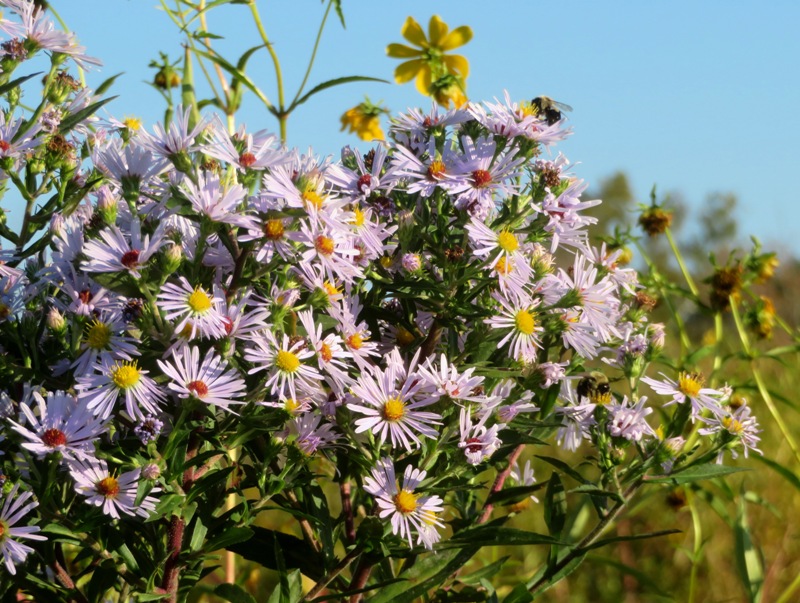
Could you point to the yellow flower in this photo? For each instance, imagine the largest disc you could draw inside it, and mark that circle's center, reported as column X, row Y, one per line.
column 428, row 61
column 364, row 121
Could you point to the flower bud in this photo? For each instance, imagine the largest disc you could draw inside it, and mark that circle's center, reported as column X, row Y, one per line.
column 655, row 220
column 56, row 322
column 411, row 262
column 171, row 258
column 151, row 472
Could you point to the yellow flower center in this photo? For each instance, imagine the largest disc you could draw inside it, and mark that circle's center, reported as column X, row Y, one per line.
column 358, row 217
column 690, row 384
column 125, row 376
column 325, row 352
column 524, row 322
column 405, row 502
column 311, row 197
column 273, row 229
column 287, row 362
column 5, row 311
column 429, row 517
column 503, row 266
column 186, row 332
column 507, row 241
column 436, row 170
column 732, row 425
column 324, row 245
column 98, row 335
column 108, row 487
column 330, row 289
column 199, row 301
column 132, row 123
column 394, row 409
column 355, row 341
column 291, row 405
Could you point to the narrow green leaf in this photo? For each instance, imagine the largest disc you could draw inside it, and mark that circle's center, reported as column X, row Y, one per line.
column 748, row 556
column 485, row 572
column 491, row 535
column 695, row 473
column 564, row 468
column 595, row 491
column 229, row 538
column 234, row 593
column 607, row 541
column 73, row 120
column 296, row 552
column 514, row 494
column 334, row 82
column 784, row 472
column 239, row 75
column 198, row 536
column 520, row 594
column 106, row 84
column 555, row 505
column 17, row 82
column 424, row 575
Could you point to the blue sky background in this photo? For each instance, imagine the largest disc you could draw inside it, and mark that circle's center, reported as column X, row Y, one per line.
column 692, row 96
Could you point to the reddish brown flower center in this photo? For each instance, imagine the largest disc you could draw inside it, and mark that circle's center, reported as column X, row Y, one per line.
column 324, row 245
column 130, row 259
column 198, row 388
column 4, row 146
column 325, row 352
column 481, row 178
column 54, row 437
column 228, row 325
column 473, row 445
column 247, row 159
column 365, row 180
column 108, row 487
column 85, row 296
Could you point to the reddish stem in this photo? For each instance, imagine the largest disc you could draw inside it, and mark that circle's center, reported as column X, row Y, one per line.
column 498, row 483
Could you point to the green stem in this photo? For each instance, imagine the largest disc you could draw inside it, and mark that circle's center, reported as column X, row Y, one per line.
column 313, row 53
column 762, row 387
column 676, row 252
column 786, row 596
column 697, row 529
column 281, row 115
column 718, row 335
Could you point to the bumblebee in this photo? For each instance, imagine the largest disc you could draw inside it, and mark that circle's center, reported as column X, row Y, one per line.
column 549, row 109
column 596, row 387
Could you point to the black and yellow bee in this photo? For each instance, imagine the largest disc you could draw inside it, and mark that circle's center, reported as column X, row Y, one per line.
column 549, row 109
column 596, row 387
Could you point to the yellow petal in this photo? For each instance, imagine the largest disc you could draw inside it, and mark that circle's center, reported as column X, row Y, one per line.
column 457, row 64
column 401, row 51
column 413, row 33
column 424, row 81
column 458, row 37
column 405, row 72
column 437, row 30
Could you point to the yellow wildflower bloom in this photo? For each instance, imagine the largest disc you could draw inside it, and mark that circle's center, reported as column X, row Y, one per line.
column 428, row 59
column 364, row 121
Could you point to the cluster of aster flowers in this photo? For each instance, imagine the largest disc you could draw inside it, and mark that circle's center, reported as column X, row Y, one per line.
column 414, row 309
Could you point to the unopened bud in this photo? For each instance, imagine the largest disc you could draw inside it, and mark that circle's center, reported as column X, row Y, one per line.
column 151, row 472
column 56, row 321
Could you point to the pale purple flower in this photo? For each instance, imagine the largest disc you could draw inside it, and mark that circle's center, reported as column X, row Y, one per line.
column 476, row 440
column 407, row 509
column 101, row 390
column 628, row 420
column 62, row 424
column 210, row 381
column 114, row 493
column 14, row 508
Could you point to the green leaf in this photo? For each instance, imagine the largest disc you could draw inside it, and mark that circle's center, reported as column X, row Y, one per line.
column 198, row 536
column 233, row 593
column 564, row 468
column 784, row 472
column 493, row 535
column 556, row 576
column 331, row 83
column 555, row 505
column 428, row 572
column 485, row 572
column 595, row 491
column 520, row 594
column 106, row 84
column 607, row 541
column 337, row 5
column 748, row 556
column 73, row 120
column 297, row 554
column 57, row 532
column 17, row 82
column 695, row 473
column 229, row 538
column 151, row 597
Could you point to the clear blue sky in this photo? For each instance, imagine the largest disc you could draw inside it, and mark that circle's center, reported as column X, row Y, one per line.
column 693, row 96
